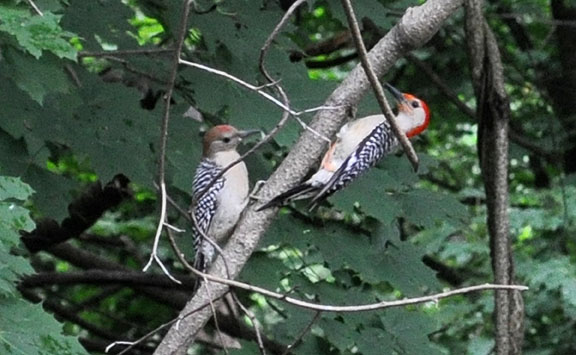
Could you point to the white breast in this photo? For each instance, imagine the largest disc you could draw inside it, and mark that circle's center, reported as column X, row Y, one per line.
column 351, row 134
column 232, row 198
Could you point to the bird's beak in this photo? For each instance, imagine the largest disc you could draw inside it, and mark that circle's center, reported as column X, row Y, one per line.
column 403, row 104
column 249, row 132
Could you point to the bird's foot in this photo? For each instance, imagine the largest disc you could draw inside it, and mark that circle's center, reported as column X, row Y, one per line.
column 254, row 193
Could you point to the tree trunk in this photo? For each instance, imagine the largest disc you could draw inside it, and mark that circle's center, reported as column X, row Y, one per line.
column 493, row 112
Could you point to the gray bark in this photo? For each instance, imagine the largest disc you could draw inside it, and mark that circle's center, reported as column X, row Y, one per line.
column 416, row 27
column 493, row 112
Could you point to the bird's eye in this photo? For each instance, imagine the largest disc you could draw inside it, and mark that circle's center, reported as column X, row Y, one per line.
column 415, row 104
column 226, row 140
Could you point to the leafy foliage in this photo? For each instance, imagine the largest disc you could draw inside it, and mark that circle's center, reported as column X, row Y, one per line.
column 36, row 34
column 26, row 328
column 13, row 218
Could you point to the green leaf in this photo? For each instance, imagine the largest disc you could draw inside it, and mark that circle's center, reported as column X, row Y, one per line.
column 262, row 270
column 290, row 328
column 101, row 121
column 12, row 268
column 398, row 263
column 51, row 189
column 374, row 192
column 409, row 331
column 338, row 333
column 480, row 346
column 13, row 187
column 100, row 23
column 36, row 77
column 425, row 208
column 36, row 33
column 373, row 340
column 13, row 218
column 248, row 348
column 381, row 193
column 27, row 330
column 380, row 258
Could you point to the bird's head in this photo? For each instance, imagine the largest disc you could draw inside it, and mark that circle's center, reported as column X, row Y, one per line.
column 413, row 113
column 223, row 138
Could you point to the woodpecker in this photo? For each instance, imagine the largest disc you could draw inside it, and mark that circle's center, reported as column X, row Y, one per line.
column 359, row 145
column 217, row 205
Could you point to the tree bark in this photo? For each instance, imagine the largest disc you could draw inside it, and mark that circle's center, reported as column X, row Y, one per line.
column 416, row 27
column 493, row 112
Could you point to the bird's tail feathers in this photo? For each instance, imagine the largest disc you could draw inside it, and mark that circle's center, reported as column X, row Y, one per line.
column 305, row 190
column 200, row 265
column 202, row 259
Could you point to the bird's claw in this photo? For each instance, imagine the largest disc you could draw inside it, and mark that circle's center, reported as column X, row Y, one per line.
column 254, row 193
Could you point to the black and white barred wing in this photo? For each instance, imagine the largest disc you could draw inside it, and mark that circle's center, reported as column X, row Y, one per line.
column 377, row 144
column 205, row 202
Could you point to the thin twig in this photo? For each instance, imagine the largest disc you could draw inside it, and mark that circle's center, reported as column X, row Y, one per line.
column 303, row 333
column 285, row 107
column 126, row 52
column 278, row 27
column 132, row 344
column 128, row 67
column 154, row 255
column 164, row 139
column 257, row 89
column 375, row 83
column 331, row 308
column 254, row 321
column 35, row 7
column 272, row 81
column 240, row 82
column 206, row 238
column 177, row 207
column 184, row 262
column 365, row 307
column 215, row 317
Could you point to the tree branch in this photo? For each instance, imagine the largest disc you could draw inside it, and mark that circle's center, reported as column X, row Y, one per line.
column 417, row 26
column 83, row 213
column 493, row 112
column 376, row 86
column 126, row 52
column 57, row 308
column 86, row 260
column 104, row 277
column 35, row 7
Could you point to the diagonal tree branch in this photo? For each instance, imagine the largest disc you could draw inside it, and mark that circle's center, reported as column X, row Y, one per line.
column 83, row 212
column 416, row 27
column 376, row 86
